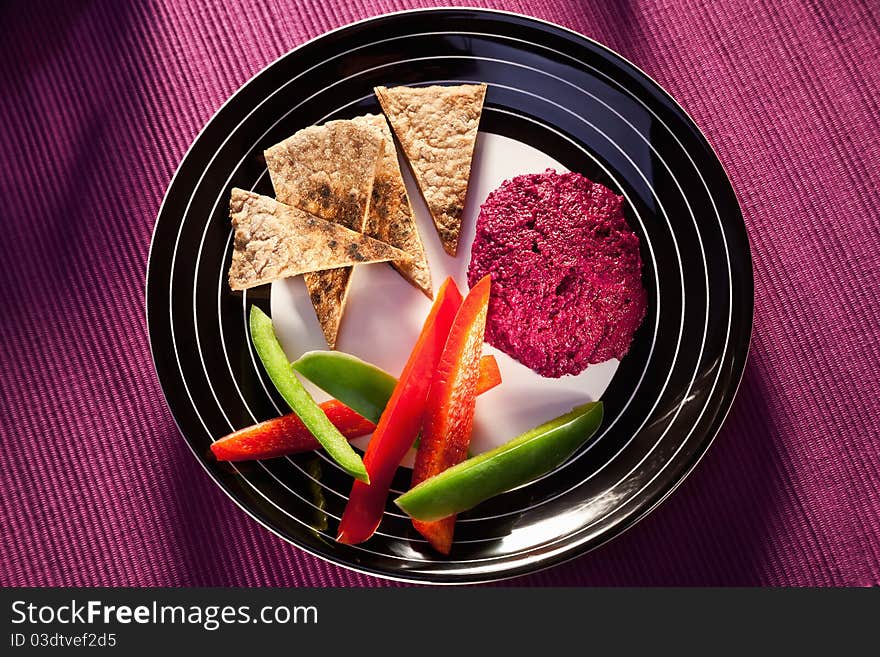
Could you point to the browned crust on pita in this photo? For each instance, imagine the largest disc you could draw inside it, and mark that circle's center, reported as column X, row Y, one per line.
column 274, row 241
column 328, row 291
column 328, row 170
column 391, row 218
column 437, row 128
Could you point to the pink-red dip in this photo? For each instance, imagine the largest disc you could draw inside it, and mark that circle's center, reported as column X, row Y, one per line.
column 566, row 272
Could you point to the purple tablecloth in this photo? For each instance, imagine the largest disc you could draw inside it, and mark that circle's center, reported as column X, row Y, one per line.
column 100, row 100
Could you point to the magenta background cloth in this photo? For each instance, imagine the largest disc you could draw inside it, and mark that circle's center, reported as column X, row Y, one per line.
column 100, row 100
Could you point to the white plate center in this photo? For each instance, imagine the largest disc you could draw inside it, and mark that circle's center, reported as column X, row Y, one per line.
column 385, row 313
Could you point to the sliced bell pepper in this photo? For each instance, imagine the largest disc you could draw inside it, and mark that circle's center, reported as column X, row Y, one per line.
column 399, row 424
column 517, row 462
column 490, row 374
column 287, row 434
column 449, row 410
column 300, row 401
column 362, row 386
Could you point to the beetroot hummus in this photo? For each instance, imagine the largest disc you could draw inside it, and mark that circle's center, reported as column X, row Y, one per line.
column 566, row 272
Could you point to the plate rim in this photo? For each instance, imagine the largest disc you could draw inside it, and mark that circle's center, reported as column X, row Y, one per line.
column 552, row 560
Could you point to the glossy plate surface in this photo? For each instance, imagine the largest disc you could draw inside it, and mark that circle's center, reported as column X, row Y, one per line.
column 552, row 92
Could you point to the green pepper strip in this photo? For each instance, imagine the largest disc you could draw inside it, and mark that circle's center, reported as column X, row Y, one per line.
column 513, row 464
column 363, row 387
column 280, row 371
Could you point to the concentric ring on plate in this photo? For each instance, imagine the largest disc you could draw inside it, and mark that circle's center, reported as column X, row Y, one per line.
column 558, row 92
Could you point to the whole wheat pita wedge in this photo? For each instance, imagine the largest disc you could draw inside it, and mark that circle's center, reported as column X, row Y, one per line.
column 437, row 128
column 391, row 218
column 274, row 241
column 328, row 170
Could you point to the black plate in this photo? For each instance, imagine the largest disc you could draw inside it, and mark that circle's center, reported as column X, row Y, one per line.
column 564, row 94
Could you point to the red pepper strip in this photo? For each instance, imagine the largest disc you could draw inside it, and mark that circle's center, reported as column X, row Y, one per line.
column 287, row 434
column 449, row 411
column 490, row 374
column 400, row 422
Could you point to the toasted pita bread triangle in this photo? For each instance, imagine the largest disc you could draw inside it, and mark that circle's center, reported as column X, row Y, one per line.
column 328, row 170
column 274, row 241
column 437, row 128
column 391, row 217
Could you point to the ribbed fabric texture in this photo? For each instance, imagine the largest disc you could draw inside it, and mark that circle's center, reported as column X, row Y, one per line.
column 100, row 100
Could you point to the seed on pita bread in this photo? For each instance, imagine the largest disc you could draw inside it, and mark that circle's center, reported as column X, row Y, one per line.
column 273, row 241
column 328, row 170
column 437, row 128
